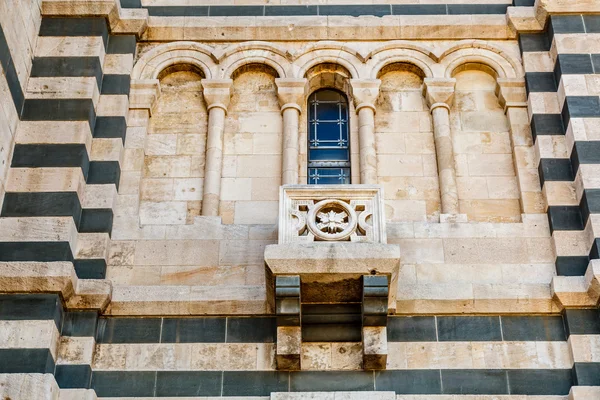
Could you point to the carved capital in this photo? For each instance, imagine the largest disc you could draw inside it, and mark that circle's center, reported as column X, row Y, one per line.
column 365, row 92
column 439, row 91
column 143, row 94
column 291, row 92
column 511, row 92
column 217, row 92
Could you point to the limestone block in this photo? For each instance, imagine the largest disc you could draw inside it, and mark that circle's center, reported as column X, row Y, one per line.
column 118, row 64
column 161, row 145
column 37, row 277
column 188, row 189
column 559, row 193
column 113, row 105
column 585, row 348
column 56, row 132
column 256, row 212
column 583, row 393
column 236, row 252
column 107, row 150
column 205, row 227
column 592, row 278
column 177, row 252
column 39, row 229
column 63, row 88
column 29, row 334
column 290, row 350
column 76, row 350
column 163, row 213
column 421, row 250
column 175, row 166
column 375, row 347
column 99, row 196
column 77, row 394
column 70, row 46
column 46, row 180
column 92, row 294
column 28, row 386
column 572, row 291
column 197, row 276
column 513, row 298
column 92, row 245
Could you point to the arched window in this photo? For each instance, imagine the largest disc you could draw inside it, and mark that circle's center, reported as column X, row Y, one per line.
column 328, row 141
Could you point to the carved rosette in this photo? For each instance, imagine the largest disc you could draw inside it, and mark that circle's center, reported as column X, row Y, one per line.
column 332, row 220
column 331, row 213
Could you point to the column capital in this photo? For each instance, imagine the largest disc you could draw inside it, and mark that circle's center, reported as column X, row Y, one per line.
column 439, row 92
column 291, row 92
column 511, row 92
column 143, row 94
column 365, row 92
column 217, row 93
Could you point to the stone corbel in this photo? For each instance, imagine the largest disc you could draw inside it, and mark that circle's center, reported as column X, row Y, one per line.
column 365, row 93
column 439, row 92
column 511, row 92
column 289, row 331
column 217, row 93
column 143, row 94
column 291, row 92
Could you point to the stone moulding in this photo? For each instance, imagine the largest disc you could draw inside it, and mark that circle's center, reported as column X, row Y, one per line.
column 309, row 213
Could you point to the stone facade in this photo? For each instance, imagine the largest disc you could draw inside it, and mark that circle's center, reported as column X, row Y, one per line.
column 159, row 238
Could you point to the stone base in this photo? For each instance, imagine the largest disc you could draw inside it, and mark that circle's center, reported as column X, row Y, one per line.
column 289, row 348
column 453, row 218
column 375, row 348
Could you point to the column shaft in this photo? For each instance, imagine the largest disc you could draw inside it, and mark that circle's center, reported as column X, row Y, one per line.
column 366, row 139
column 214, row 162
column 445, row 159
column 291, row 116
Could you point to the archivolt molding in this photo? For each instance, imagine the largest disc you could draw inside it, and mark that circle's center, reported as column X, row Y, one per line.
column 238, row 55
column 156, row 60
column 218, row 64
column 329, row 52
column 478, row 51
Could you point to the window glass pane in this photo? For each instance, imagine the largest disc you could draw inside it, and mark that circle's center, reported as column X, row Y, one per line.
column 328, row 111
column 329, row 176
column 328, row 155
column 329, row 134
column 328, row 144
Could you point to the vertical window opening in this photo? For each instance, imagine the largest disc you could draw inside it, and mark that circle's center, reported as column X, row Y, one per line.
column 328, row 141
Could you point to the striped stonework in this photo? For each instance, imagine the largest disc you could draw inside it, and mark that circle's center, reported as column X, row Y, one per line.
column 69, row 145
column 143, row 149
column 562, row 66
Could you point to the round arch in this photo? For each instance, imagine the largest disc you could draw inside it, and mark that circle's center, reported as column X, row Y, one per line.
column 152, row 63
column 479, row 52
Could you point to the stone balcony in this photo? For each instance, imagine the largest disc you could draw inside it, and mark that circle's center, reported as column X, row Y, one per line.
column 332, row 276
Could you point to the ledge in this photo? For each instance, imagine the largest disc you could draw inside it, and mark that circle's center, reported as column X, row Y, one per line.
column 332, row 258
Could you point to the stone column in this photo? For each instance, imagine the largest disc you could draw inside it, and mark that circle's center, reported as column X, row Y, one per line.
column 513, row 97
column 291, row 94
column 217, row 93
column 365, row 93
column 440, row 94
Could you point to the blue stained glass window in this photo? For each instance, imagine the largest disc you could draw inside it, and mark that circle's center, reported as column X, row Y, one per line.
column 328, row 141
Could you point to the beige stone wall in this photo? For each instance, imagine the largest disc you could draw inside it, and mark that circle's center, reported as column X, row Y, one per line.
column 405, row 149
column 171, row 187
column 487, row 185
column 252, row 149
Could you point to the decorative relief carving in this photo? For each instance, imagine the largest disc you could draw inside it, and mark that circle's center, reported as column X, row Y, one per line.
column 311, row 213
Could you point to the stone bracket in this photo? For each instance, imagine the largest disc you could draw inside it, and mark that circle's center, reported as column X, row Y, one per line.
column 289, row 333
column 374, row 320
